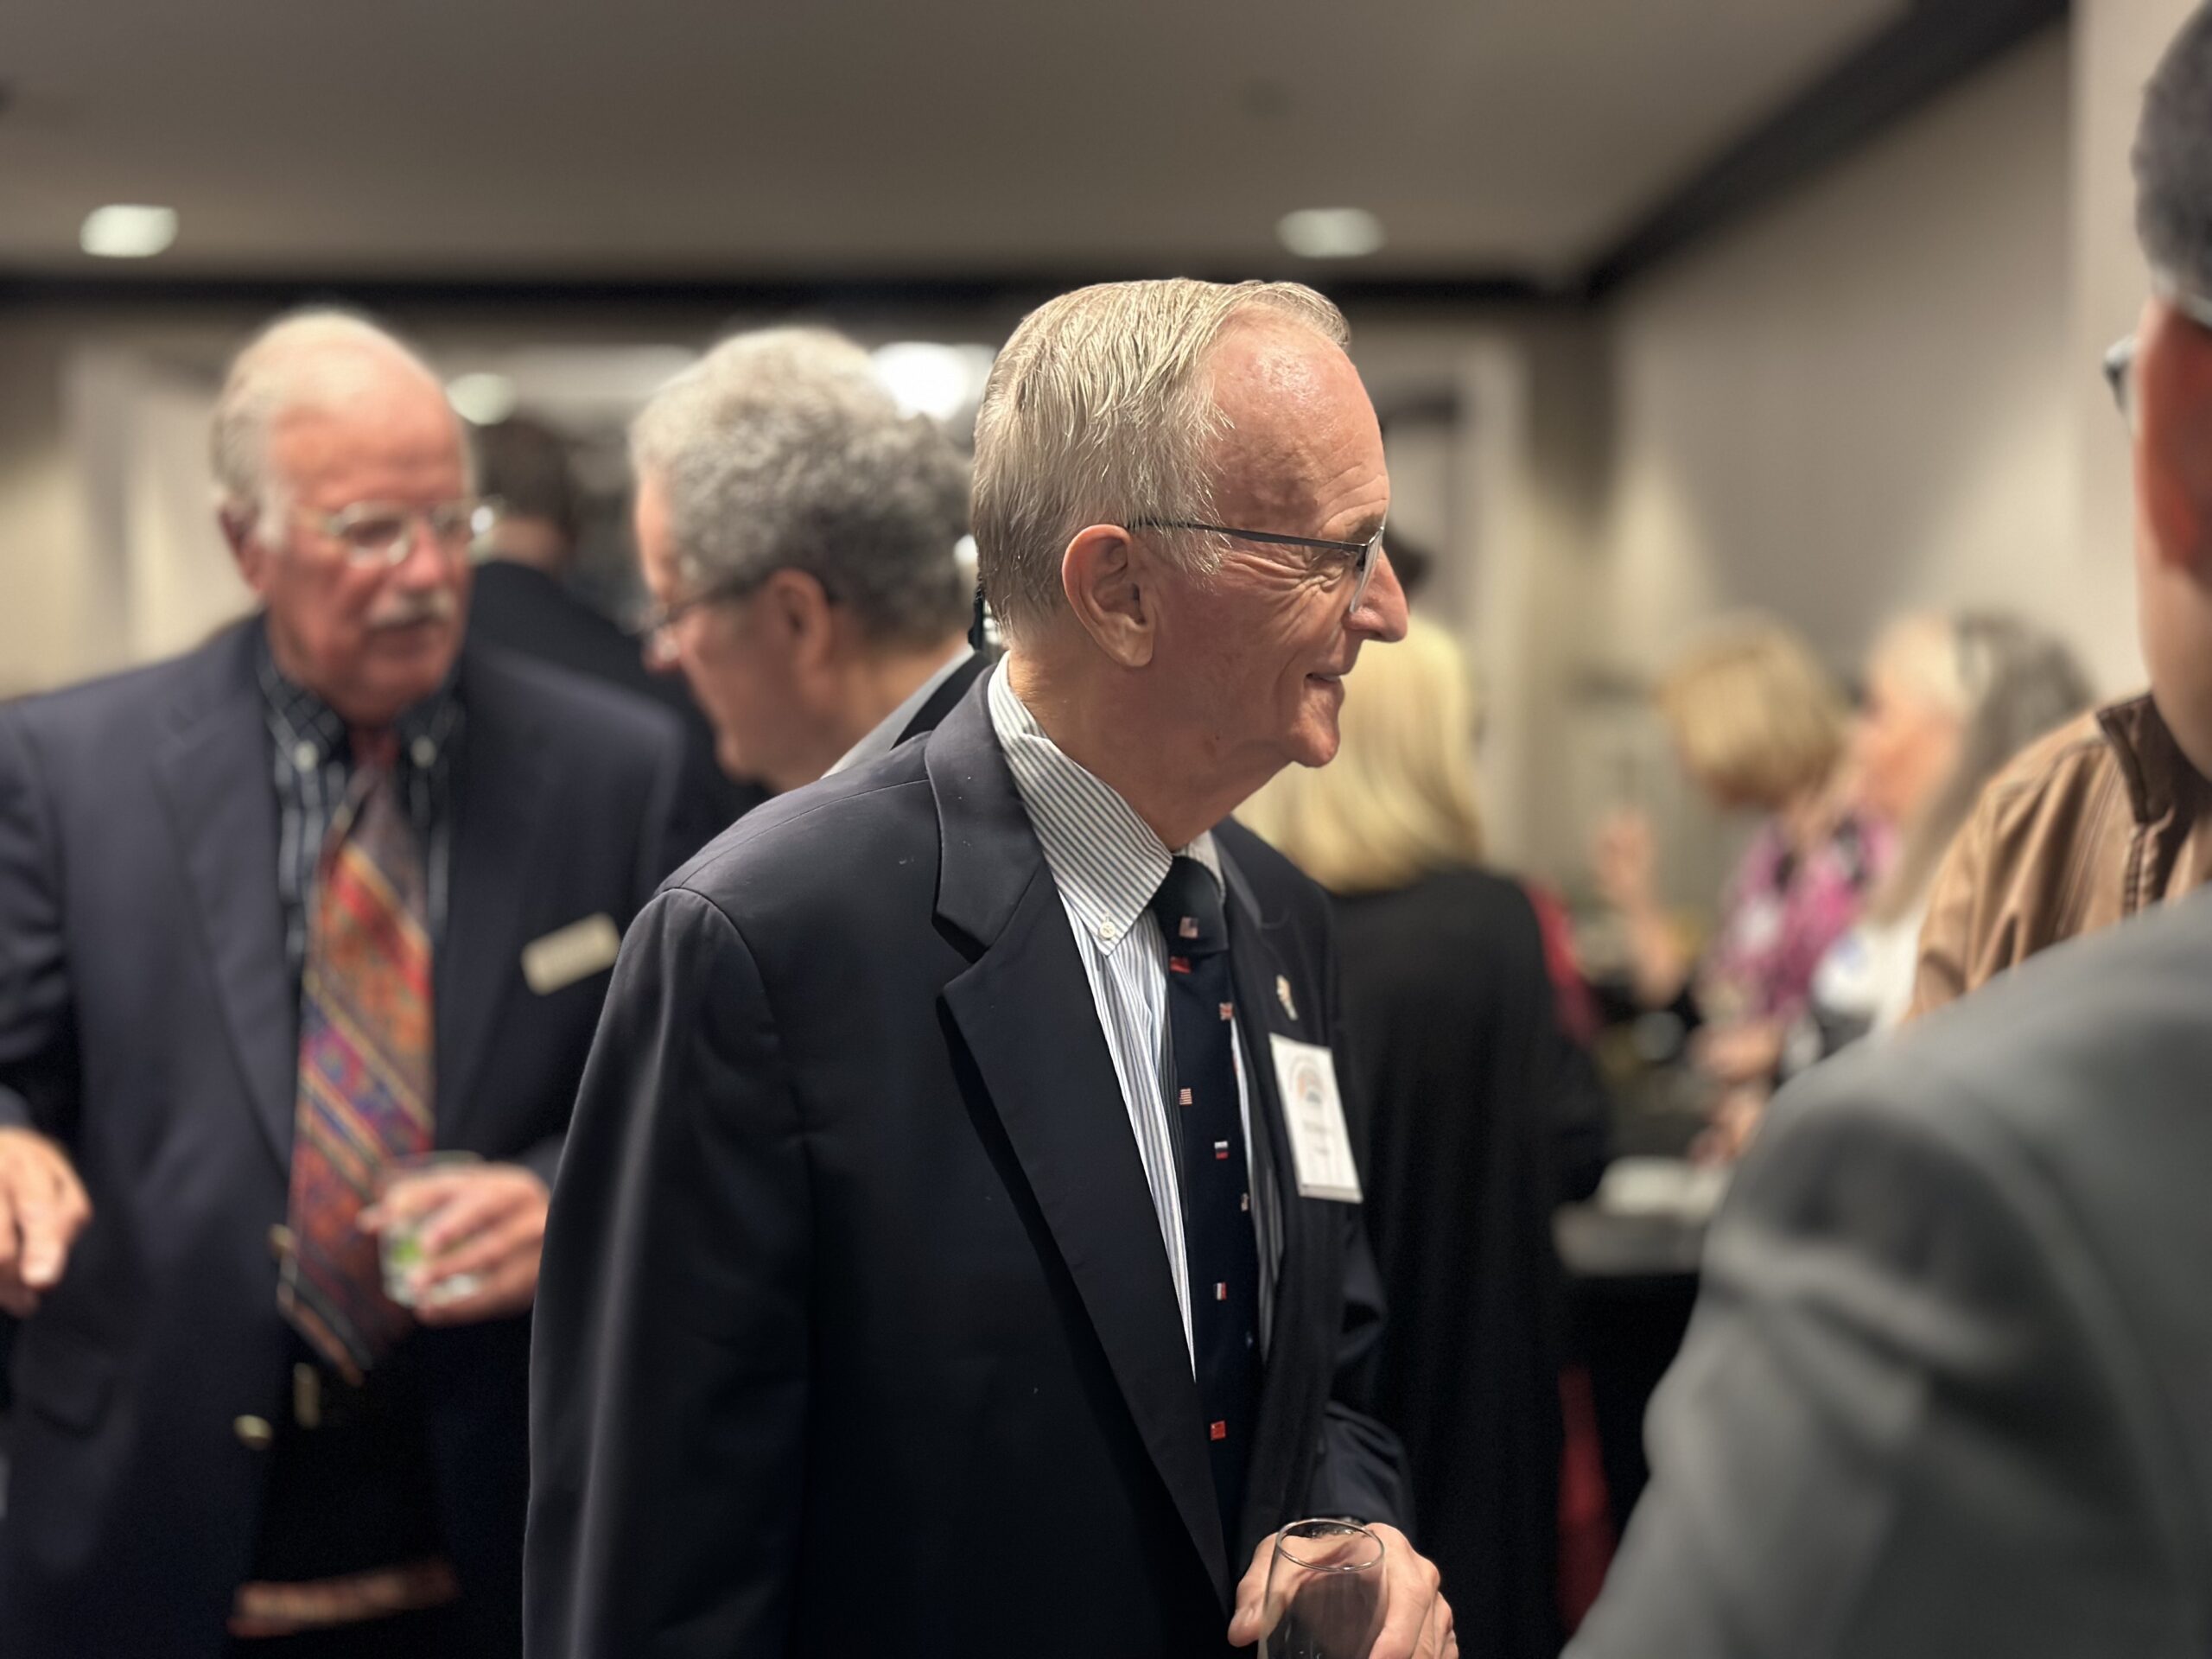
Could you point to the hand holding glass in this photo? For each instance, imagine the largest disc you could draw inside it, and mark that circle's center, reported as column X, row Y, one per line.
column 1324, row 1591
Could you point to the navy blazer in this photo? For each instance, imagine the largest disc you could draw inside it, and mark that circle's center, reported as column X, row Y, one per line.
column 855, row 1334
column 147, row 1021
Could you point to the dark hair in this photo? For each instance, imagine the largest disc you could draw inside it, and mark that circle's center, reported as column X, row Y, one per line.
column 2173, row 160
column 525, row 466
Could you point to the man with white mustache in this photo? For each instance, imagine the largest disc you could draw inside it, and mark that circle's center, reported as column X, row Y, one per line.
column 329, row 901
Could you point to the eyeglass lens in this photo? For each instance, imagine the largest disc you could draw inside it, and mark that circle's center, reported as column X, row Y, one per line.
column 375, row 532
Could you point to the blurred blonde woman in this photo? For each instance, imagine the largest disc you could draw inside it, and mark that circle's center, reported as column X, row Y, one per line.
column 1760, row 726
column 1478, row 1110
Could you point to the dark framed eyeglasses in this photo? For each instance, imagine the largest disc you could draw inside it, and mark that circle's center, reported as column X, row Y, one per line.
column 2119, row 357
column 1360, row 557
column 2120, row 375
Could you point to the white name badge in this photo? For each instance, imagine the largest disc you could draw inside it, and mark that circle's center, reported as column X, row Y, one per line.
column 1320, row 1146
column 569, row 954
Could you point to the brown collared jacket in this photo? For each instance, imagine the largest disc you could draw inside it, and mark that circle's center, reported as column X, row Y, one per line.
column 2101, row 819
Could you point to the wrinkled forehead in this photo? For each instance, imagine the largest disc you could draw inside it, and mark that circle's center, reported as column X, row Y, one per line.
column 1298, row 437
column 362, row 418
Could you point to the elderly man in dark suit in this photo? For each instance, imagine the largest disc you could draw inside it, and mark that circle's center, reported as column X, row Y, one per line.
column 959, row 1251
column 326, row 904
column 1949, row 1388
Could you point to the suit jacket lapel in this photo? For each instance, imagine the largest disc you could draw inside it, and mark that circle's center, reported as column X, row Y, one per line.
column 498, row 803
column 942, row 700
column 1307, row 1264
column 1024, row 1009
column 214, row 766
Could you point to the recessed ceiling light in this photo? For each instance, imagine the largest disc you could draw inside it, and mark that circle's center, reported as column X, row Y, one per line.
column 127, row 233
column 1330, row 233
column 482, row 400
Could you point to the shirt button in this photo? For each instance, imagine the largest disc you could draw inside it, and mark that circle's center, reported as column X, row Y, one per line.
column 422, row 750
column 304, row 755
column 254, row 1433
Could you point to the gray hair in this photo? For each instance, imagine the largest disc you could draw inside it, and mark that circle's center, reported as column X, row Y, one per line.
column 2010, row 682
column 783, row 449
column 305, row 360
column 1100, row 410
column 2173, row 166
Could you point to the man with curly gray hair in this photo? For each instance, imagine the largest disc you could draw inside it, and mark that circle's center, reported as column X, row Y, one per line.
column 799, row 533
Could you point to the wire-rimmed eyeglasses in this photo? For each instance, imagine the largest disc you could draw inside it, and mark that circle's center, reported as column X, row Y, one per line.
column 382, row 532
column 655, row 630
column 1361, row 557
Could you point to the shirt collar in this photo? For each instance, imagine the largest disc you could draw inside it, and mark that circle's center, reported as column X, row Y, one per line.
column 1104, row 858
column 304, row 722
column 2158, row 776
column 883, row 736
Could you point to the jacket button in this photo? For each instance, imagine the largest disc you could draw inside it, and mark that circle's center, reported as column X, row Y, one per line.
column 254, row 1433
column 280, row 1240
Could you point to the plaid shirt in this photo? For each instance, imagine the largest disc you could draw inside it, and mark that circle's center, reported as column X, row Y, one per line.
column 312, row 761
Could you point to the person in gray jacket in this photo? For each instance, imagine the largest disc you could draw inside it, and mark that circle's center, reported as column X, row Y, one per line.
column 1949, row 1388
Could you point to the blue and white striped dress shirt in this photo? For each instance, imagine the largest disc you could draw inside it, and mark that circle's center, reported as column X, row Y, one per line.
column 1108, row 863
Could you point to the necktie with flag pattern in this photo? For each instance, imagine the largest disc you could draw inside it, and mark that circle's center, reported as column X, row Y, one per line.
column 1220, row 1248
column 364, row 1076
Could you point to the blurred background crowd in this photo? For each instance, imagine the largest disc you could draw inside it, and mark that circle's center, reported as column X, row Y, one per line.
column 1754, row 488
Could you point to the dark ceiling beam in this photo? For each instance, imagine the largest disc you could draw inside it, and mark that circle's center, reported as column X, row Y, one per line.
column 1934, row 46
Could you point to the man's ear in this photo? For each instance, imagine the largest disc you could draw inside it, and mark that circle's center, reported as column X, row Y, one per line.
column 241, row 534
column 798, row 614
column 1112, row 586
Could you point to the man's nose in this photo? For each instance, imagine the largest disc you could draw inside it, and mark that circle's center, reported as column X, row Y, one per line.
column 429, row 562
column 1382, row 611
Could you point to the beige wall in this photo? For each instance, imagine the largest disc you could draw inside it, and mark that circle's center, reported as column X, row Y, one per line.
column 43, row 581
column 1864, row 400
column 1867, row 398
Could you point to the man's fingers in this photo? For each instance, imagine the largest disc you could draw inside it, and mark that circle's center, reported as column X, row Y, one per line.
column 11, row 1252
column 1410, row 1598
column 1433, row 1630
column 417, row 1194
column 485, row 1251
column 470, row 1210
column 50, row 1218
column 508, row 1289
column 1248, row 1625
column 42, row 1209
column 44, row 1246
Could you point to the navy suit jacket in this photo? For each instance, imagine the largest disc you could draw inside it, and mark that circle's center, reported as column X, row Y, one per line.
column 855, row 1334
column 148, row 1022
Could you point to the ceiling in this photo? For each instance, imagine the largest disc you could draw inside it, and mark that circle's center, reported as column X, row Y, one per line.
column 702, row 139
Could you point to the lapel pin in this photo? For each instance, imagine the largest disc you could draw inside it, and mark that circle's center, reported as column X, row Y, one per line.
column 1190, row 928
column 1282, row 991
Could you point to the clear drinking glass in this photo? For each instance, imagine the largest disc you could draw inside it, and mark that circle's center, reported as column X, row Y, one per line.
column 1324, row 1591
column 401, row 1243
